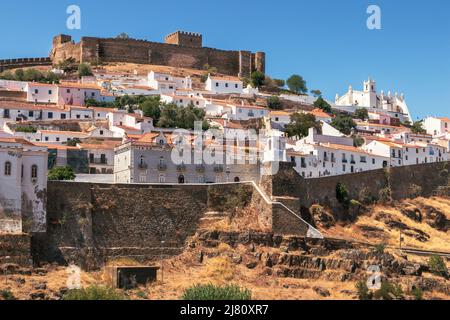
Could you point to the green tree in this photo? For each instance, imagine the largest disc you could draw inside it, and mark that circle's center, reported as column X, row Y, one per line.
column 33, row 75
column 316, row 93
column 61, row 174
column 363, row 291
column 84, row 70
column 257, row 79
column 297, row 84
column 301, row 123
column 280, row 83
column 418, row 128
column 362, row 113
column 322, row 104
column 151, row 108
column 69, row 65
column 358, row 141
column 344, row 124
column 19, row 75
column 274, row 103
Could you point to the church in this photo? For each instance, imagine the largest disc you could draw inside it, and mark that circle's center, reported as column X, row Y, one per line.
column 393, row 105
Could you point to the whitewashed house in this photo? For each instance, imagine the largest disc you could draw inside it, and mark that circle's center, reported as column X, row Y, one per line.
column 23, row 184
column 437, row 126
column 223, row 85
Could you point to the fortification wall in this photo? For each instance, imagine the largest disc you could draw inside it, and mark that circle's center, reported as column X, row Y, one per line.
column 91, row 49
column 90, row 223
column 399, row 180
column 23, row 63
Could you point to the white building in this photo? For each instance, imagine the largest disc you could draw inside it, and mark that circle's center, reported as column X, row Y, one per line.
column 42, row 93
column 183, row 100
column 321, row 155
column 166, row 83
column 368, row 98
column 23, row 183
column 437, row 126
column 245, row 112
column 404, row 154
column 224, row 85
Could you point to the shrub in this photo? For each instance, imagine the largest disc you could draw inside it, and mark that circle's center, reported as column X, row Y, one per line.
column 274, row 103
column 437, row 265
column 414, row 191
column 385, row 195
column 212, row 292
column 366, row 197
column 94, row 293
column 61, row 174
column 84, row 70
column 417, row 293
column 26, row 129
column 379, row 248
column 389, row 291
column 7, row 295
column 363, row 291
column 342, row 195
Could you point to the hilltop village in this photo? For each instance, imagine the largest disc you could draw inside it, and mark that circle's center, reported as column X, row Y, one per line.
column 121, row 112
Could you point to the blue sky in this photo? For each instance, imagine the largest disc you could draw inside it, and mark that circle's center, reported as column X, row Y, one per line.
column 326, row 41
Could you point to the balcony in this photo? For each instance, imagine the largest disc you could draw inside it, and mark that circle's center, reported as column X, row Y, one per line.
column 344, row 161
column 162, row 167
column 218, row 168
column 326, row 159
column 143, row 166
column 98, row 161
column 333, row 159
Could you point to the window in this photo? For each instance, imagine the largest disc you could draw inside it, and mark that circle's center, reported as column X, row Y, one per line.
column 7, row 168
column 103, row 158
column 36, row 91
column 50, row 115
column 68, row 90
column 31, row 113
column 101, row 132
column 217, row 84
column 63, row 116
column 34, row 171
column 226, row 85
column 162, row 178
column 49, row 91
column 236, row 86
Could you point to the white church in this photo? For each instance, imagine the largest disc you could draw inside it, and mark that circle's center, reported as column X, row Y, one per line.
column 393, row 105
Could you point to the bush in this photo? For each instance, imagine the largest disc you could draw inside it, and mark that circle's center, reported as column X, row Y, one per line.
column 366, row 197
column 414, row 191
column 388, row 291
column 437, row 266
column 363, row 291
column 94, row 293
column 342, row 194
column 25, row 129
column 61, row 174
column 7, row 295
column 384, row 195
column 84, row 70
column 212, row 292
column 379, row 248
column 274, row 103
column 417, row 293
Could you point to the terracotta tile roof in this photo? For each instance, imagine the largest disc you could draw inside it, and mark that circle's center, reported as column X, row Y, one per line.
column 79, row 86
column 225, row 78
column 320, row 113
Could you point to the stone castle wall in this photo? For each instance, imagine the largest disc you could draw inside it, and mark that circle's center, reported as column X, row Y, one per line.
column 23, row 63
column 91, row 49
column 399, row 180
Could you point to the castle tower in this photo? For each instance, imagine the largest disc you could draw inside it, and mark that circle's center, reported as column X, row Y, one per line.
column 185, row 39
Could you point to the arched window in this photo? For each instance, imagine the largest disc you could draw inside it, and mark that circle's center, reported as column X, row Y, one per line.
column 7, row 168
column 34, row 171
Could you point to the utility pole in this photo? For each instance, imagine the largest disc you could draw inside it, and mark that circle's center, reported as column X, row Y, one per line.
column 162, row 264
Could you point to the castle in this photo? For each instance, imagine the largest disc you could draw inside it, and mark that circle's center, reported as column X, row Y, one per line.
column 181, row 49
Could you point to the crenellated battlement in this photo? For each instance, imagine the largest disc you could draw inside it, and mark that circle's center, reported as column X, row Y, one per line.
column 180, row 49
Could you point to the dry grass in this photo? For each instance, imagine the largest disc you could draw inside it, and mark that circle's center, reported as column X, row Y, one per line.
column 439, row 240
column 219, row 269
